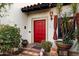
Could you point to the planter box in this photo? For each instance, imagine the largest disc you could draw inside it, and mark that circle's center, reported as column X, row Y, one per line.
column 73, row 53
column 63, row 46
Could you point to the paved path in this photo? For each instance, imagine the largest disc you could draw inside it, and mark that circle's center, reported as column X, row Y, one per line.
column 29, row 51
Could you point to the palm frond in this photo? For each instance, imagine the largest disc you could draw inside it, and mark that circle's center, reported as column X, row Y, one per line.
column 59, row 7
column 74, row 7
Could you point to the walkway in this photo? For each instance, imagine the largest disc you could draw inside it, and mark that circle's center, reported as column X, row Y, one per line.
column 30, row 51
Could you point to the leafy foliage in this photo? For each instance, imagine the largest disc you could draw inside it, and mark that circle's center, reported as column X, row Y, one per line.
column 64, row 23
column 59, row 7
column 3, row 8
column 46, row 46
column 9, row 37
column 2, row 5
column 68, row 35
column 74, row 7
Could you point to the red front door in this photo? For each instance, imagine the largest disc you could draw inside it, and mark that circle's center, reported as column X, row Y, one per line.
column 39, row 30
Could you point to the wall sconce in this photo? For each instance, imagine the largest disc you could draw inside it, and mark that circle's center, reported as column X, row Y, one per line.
column 24, row 27
column 51, row 14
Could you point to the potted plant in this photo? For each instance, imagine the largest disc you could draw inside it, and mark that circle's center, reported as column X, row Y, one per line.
column 46, row 45
column 67, row 35
column 67, row 41
column 9, row 39
column 24, row 43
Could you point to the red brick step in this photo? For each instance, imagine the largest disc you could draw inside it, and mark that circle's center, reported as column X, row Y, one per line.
column 30, row 52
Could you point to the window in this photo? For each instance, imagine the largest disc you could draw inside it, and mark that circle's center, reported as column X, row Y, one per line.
column 59, row 29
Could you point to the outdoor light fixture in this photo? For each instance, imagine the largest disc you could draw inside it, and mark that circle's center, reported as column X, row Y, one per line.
column 51, row 14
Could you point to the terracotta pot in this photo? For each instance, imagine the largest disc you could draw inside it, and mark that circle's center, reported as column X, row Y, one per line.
column 63, row 46
column 73, row 53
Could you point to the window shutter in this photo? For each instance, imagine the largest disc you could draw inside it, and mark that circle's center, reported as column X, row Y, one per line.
column 55, row 27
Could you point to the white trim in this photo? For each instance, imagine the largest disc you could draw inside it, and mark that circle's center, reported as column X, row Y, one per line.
column 32, row 21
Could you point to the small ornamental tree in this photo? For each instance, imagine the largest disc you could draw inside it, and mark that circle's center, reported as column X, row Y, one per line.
column 46, row 46
column 9, row 38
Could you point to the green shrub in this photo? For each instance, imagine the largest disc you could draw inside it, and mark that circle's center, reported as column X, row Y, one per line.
column 9, row 37
column 46, row 46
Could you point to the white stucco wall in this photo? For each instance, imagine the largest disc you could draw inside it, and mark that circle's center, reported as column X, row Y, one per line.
column 16, row 17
